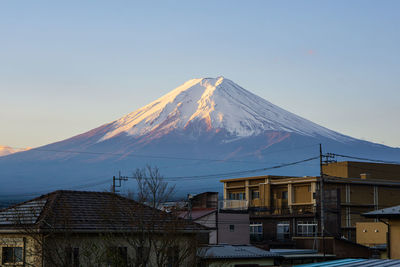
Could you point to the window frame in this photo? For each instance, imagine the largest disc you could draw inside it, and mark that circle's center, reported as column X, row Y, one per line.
column 15, row 258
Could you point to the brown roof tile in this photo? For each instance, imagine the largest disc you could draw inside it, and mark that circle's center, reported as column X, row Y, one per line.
column 90, row 211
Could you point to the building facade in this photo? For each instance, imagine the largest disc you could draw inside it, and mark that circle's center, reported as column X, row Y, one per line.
column 283, row 207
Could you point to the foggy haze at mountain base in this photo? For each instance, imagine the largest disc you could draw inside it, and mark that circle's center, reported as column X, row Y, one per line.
column 206, row 126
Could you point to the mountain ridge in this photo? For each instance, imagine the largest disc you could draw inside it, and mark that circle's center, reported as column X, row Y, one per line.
column 181, row 133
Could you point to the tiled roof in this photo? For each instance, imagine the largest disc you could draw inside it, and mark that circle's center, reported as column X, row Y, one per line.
column 89, row 211
column 384, row 213
column 234, row 252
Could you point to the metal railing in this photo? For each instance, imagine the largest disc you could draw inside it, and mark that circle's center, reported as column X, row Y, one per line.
column 293, row 210
column 233, row 204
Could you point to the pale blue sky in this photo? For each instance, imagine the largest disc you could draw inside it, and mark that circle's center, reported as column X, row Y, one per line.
column 67, row 67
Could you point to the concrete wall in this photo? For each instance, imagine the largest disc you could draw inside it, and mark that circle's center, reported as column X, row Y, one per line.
column 241, row 232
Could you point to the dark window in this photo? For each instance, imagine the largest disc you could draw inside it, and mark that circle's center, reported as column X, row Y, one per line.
column 232, row 227
column 255, row 194
column 68, row 256
column 173, row 257
column 284, row 195
column 76, row 257
column 72, row 256
column 256, row 231
column 142, row 255
column 283, row 230
column 12, row 255
column 237, row 196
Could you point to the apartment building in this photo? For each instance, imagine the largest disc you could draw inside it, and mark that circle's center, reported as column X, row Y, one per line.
column 284, row 207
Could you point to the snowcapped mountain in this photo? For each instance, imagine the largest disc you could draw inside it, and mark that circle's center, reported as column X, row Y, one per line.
column 218, row 103
column 6, row 150
column 205, row 126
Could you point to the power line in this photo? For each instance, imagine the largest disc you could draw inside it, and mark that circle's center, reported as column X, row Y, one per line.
column 155, row 156
column 168, row 178
column 367, row 159
column 237, row 172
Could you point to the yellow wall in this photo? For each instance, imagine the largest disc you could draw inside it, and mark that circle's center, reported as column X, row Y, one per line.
column 349, row 169
column 394, row 238
column 371, row 233
column 302, row 193
column 388, row 196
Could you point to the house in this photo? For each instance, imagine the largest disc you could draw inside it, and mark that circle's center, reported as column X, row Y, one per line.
column 77, row 228
column 390, row 217
column 285, row 211
column 226, row 226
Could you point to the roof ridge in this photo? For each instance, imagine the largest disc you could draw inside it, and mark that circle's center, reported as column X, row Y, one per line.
column 53, row 196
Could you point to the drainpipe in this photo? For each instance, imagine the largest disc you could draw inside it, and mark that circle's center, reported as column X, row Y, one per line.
column 387, row 237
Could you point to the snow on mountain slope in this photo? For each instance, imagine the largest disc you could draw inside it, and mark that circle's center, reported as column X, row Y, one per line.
column 221, row 104
column 6, row 150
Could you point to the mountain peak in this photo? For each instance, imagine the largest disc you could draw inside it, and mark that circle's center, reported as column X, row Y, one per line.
column 213, row 104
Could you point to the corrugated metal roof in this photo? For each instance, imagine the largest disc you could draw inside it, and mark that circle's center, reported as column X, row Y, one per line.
column 391, row 211
column 234, row 252
column 354, row 263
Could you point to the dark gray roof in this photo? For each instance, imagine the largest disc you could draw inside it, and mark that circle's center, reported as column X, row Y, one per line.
column 354, row 263
column 391, row 212
column 223, row 251
column 89, row 211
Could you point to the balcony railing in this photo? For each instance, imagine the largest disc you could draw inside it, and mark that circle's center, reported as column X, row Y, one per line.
column 233, row 204
column 292, row 210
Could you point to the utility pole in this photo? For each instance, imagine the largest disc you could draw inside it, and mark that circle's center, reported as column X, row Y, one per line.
column 190, row 197
column 119, row 179
column 322, row 203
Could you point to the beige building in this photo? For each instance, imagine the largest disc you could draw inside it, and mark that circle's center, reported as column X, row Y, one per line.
column 75, row 228
column 391, row 218
column 287, row 206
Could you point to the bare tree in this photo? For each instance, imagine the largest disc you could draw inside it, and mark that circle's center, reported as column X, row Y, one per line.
column 116, row 232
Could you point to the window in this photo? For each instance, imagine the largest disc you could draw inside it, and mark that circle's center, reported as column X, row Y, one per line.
column 256, row 231
column 12, row 255
column 72, row 256
column 284, row 195
column 305, row 228
column 142, row 255
column 232, row 227
column 173, row 257
column 283, row 230
column 255, row 194
column 237, row 196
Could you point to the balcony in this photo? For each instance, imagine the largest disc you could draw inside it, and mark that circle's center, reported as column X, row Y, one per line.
column 232, row 204
column 295, row 210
